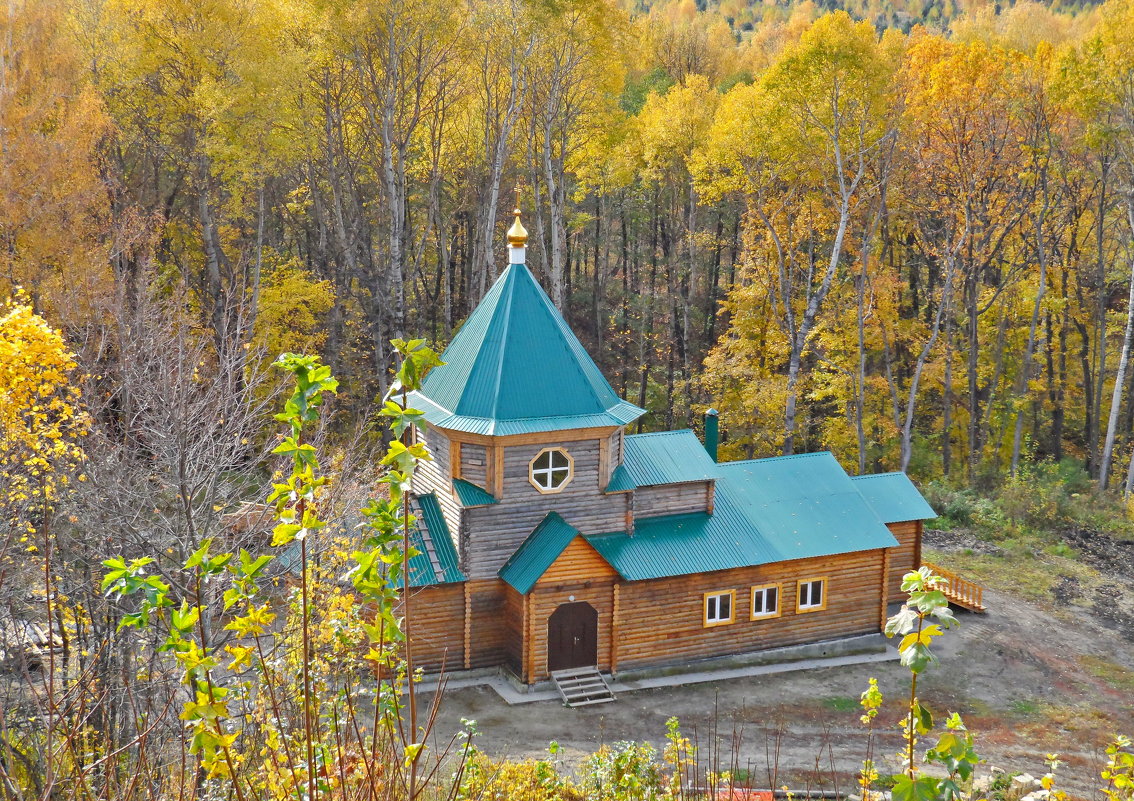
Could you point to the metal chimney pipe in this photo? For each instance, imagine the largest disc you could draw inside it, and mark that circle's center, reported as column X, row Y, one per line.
column 712, row 432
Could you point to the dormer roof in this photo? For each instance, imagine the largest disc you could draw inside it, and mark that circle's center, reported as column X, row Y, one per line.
column 515, row 367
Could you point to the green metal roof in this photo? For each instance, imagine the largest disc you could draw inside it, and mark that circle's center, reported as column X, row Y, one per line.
column 667, row 457
column 515, row 367
column 620, row 480
column 765, row 510
column 893, row 497
column 432, row 534
column 469, row 494
column 542, row 547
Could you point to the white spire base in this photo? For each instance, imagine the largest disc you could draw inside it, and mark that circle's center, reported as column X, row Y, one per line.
column 517, row 255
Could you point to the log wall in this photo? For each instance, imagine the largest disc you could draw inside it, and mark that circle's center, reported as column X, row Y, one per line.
column 434, row 476
column 515, row 623
column 493, row 533
column 672, row 499
column 474, row 461
column 661, row 622
column 437, row 630
column 904, row 558
column 545, row 600
column 488, row 631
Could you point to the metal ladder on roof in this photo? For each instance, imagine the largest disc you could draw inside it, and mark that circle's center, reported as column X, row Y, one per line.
column 582, row 686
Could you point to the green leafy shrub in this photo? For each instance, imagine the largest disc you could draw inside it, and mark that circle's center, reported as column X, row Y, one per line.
column 624, row 771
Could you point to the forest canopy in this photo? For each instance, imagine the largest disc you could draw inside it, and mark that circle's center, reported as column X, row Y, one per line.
column 903, row 234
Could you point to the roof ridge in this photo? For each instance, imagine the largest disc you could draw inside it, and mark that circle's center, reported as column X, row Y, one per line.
column 877, row 475
column 781, row 458
column 504, row 345
column 660, row 433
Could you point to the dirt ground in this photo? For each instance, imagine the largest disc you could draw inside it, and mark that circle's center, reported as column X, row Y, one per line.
column 1029, row 679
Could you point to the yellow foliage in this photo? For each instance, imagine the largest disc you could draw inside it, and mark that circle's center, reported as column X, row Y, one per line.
column 529, row 780
column 41, row 419
column 292, row 306
column 53, row 202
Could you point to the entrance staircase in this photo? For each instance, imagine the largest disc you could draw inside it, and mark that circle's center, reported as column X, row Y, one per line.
column 582, row 686
column 960, row 591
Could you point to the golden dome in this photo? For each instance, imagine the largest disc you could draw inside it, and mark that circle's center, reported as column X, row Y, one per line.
column 517, row 234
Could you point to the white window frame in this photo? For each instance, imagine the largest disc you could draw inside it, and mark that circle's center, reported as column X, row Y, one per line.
column 551, row 469
column 717, row 620
column 800, row 606
column 762, row 589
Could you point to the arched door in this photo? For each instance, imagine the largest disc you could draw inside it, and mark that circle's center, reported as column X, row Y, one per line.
column 572, row 637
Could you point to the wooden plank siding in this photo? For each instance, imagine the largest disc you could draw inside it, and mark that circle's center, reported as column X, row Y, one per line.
column 437, row 627
column 904, row 558
column 672, row 499
column 491, row 534
column 661, row 621
column 578, row 564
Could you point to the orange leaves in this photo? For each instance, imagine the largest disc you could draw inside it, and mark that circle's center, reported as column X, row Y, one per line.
column 53, row 203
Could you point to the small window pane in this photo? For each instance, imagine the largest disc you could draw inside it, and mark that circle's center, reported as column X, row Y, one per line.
column 765, row 601
column 718, row 608
column 551, row 470
column 810, row 594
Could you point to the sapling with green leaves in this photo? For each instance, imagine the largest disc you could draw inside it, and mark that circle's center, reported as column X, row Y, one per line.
column 920, row 621
column 1119, row 770
column 300, row 756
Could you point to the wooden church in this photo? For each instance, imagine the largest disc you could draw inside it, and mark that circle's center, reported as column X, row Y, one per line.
column 551, row 539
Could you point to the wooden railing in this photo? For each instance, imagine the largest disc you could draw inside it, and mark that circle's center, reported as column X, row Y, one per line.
column 959, row 590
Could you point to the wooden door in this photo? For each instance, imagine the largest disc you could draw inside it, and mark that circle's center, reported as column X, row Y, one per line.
column 572, row 637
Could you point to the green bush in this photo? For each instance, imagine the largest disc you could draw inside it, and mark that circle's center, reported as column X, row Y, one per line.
column 624, row 771
column 1044, row 498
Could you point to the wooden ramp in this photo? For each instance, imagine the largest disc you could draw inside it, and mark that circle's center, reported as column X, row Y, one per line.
column 582, row 686
column 960, row 591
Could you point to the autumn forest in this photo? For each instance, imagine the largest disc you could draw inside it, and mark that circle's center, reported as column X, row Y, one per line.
column 910, row 247
column 898, row 230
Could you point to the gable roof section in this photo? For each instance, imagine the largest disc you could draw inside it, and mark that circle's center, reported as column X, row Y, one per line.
column 538, row 552
column 469, row 494
column 515, row 367
column 436, row 561
column 766, row 510
column 893, row 497
column 667, row 457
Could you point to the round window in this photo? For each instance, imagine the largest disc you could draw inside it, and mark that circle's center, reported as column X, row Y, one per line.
column 550, row 470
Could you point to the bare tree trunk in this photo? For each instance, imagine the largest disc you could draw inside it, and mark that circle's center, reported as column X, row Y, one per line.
column 1030, row 348
column 947, row 401
column 915, row 382
column 554, row 178
column 1123, row 363
column 807, row 323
